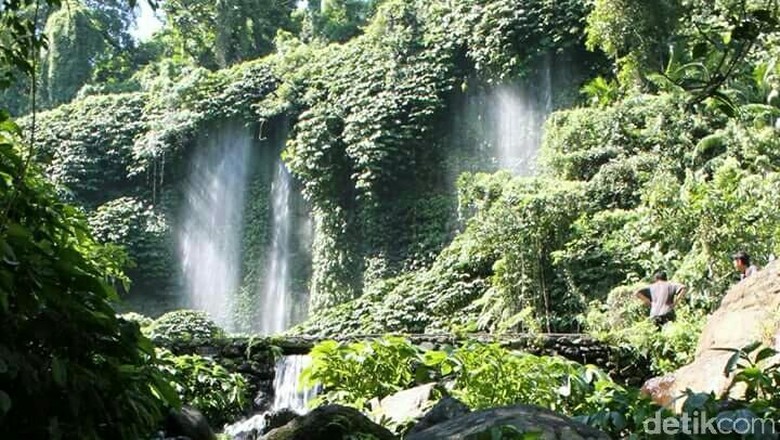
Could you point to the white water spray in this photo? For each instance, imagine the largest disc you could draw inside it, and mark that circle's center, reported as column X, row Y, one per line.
column 518, row 115
column 286, row 392
column 209, row 234
column 275, row 301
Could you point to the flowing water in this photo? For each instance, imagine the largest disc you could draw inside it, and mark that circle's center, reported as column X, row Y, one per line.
column 286, row 392
column 286, row 396
column 209, row 233
column 275, row 301
column 518, row 116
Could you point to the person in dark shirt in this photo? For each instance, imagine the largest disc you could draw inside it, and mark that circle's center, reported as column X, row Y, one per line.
column 662, row 296
column 742, row 263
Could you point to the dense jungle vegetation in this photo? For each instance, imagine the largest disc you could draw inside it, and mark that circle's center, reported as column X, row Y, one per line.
column 662, row 152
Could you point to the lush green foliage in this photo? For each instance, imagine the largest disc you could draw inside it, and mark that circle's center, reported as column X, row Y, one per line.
column 68, row 366
column 184, row 327
column 497, row 269
column 123, row 157
column 370, row 156
column 382, row 203
column 678, row 177
column 353, row 373
column 206, row 385
column 488, row 376
column 480, row 375
column 223, row 33
column 142, row 231
column 621, row 319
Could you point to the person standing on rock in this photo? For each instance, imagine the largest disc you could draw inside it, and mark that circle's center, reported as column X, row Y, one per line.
column 742, row 263
column 662, row 296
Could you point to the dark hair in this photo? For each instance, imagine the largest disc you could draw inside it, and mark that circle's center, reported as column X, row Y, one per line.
column 743, row 257
column 660, row 276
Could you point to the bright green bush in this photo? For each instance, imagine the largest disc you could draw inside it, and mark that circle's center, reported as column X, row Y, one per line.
column 353, row 373
column 481, row 375
column 185, row 327
column 205, row 385
column 487, row 376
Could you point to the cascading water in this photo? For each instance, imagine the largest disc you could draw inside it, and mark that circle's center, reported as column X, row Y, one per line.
column 286, row 396
column 286, row 393
column 275, row 301
column 518, row 115
column 209, row 237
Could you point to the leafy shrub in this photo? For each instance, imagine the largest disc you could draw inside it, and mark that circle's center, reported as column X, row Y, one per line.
column 487, row 375
column 498, row 270
column 481, row 375
column 601, row 403
column 69, row 367
column 185, row 327
column 206, row 385
column 353, row 373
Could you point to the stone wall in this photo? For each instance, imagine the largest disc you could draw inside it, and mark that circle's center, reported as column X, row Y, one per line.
column 253, row 358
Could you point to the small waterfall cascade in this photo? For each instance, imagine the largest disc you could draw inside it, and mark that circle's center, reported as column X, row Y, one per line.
column 286, row 390
column 518, row 117
column 286, row 396
column 275, row 301
column 211, row 221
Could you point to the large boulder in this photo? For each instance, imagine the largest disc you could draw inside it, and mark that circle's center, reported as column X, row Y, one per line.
column 746, row 314
column 330, row 422
column 525, row 419
column 190, row 423
column 406, row 405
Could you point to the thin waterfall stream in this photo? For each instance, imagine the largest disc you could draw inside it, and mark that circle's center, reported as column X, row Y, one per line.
column 275, row 301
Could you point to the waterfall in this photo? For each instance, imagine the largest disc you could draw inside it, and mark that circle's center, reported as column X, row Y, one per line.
column 286, row 393
column 286, row 396
column 518, row 116
column 275, row 301
column 211, row 223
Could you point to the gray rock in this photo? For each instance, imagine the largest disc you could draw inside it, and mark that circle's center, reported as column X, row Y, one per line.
column 445, row 409
column 745, row 314
column 330, row 422
column 526, row 419
column 406, row 405
column 188, row 422
column 279, row 418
